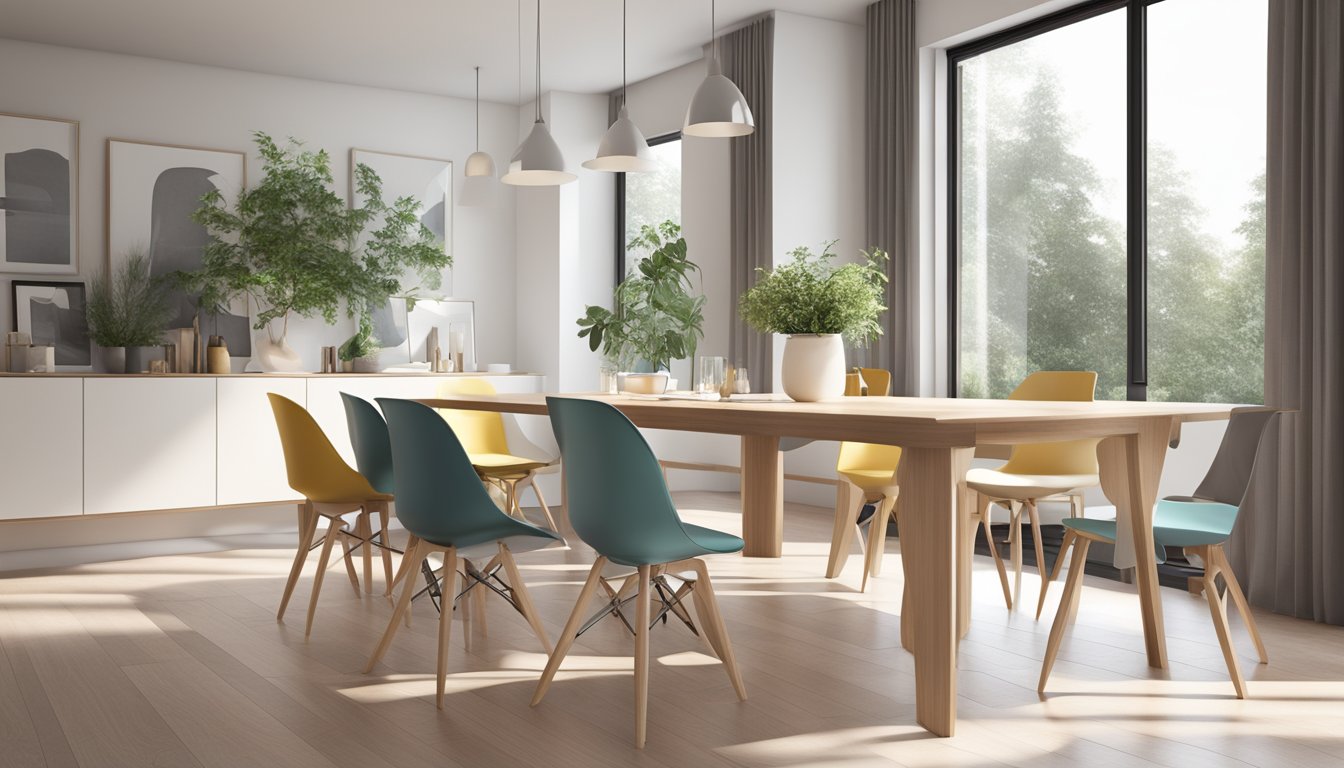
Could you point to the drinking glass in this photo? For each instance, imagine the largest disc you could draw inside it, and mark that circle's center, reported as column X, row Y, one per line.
column 713, row 370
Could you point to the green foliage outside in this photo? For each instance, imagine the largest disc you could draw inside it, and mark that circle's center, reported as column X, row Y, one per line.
column 656, row 318
column 808, row 294
column 128, row 307
column 1043, row 280
column 292, row 245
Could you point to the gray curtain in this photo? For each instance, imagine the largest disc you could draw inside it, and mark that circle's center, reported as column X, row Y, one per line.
column 1290, row 549
column 891, row 176
column 748, row 60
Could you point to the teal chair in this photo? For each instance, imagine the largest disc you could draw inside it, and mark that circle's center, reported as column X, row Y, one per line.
column 441, row 502
column 619, row 505
column 1199, row 524
column 373, row 459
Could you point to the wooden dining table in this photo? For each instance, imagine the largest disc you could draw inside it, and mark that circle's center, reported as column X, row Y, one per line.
column 938, row 437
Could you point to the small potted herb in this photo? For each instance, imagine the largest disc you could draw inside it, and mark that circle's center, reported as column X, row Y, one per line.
column 818, row 305
column 127, row 311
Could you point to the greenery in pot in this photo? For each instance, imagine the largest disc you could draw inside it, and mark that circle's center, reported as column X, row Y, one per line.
column 810, row 295
column 128, row 307
column 293, row 246
column 656, row 319
column 362, row 344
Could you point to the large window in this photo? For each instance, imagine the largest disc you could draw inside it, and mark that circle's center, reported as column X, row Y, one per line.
column 648, row 199
column 1107, row 208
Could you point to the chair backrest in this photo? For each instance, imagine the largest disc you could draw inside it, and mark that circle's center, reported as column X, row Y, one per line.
column 1230, row 474
column 1072, row 457
column 439, row 495
column 867, row 456
column 877, row 382
column 479, row 431
column 373, row 448
column 314, row 467
column 618, row 500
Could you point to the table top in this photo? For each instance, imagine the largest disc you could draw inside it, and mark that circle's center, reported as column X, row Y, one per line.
column 896, row 420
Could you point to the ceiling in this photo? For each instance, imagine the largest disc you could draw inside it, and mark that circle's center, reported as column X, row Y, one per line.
column 428, row 46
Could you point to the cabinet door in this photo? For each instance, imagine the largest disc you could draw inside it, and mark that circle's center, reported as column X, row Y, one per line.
column 251, row 460
column 41, row 458
column 149, row 443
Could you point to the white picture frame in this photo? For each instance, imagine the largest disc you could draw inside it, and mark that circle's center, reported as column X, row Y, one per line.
column 39, row 195
column 427, row 179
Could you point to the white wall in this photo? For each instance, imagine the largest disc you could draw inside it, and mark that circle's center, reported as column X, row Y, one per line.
column 160, row 101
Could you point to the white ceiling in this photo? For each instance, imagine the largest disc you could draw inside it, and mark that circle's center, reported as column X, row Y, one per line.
column 429, row 46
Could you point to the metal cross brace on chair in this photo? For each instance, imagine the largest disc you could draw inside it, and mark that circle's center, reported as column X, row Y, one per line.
column 670, row 600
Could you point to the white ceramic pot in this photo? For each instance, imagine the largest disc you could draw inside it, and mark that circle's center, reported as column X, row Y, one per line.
column 814, row 367
column 644, row 383
column 276, row 358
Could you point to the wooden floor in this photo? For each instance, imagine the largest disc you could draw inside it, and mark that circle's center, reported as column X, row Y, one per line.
column 178, row 661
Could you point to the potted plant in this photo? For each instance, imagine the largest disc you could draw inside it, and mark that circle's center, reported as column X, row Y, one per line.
column 127, row 310
column 292, row 246
column 359, row 353
column 817, row 305
column 655, row 319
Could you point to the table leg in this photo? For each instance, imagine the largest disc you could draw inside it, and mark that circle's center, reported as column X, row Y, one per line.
column 1130, row 467
column 762, row 496
column 929, row 553
column 966, row 530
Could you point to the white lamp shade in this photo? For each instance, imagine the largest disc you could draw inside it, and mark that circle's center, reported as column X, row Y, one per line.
column 718, row 109
column 538, row 161
column 623, row 149
column 479, row 164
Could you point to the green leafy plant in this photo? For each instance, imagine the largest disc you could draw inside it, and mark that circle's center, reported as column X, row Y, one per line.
column 809, row 295
column 362, row 344
column 293, row 246
column 656, row 319
column 128, row 307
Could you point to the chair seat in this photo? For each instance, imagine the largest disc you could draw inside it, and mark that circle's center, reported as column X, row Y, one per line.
column 703, row 541
column 870, row 480
column 504, row 464
column 348, row 495
column 1006, row 485
column 1175, row 524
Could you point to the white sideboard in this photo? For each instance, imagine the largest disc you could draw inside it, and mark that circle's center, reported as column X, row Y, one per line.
column 99, row 444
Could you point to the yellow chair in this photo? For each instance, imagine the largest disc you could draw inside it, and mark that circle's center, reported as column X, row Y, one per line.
column 482, row 435
column 331, row 490
column 868, row 475
column 1035, row 472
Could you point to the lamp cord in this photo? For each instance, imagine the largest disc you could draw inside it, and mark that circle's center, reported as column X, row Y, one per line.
column 478, row 109
column 713, row 29
column 623, row 86
column 538, row 60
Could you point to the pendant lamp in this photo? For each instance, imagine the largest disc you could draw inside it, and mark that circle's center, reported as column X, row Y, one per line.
column 718, row 109
column 538, row 162
column 623, row 148
column 480, row 166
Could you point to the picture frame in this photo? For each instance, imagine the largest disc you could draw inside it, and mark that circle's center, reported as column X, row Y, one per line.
column 152, row 190
column 52, row 313
column 429, row 180
column 39, row 195
column 448, row 316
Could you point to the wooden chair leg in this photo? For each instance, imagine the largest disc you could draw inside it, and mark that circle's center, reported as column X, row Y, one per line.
column 545, row 508
column 712, row 621
column 1015, row 547
column 1069, row 538
column 404, row 565
column 1212, row 568
column 386, row 541
column 1071, row 585
column 415, row 555
column 570, row 631
column 333, row 532
column 642, row 656
column 877, row 538
column 987, row 520
column 367, row 535
column 348, row 545
column 445, row 621
column 306, row 533
column 848, row 502
column 1239, row 599
column 521, row 596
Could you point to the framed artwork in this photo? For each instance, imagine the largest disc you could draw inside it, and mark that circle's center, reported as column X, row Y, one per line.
column 427, row 179
column 39, row 195
column 389, row 328
column 152, row 190
column 452, row 317
column 53, row 314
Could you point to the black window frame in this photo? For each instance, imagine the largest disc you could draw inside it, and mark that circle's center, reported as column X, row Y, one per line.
column 1136, row 175
column 621, row 265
